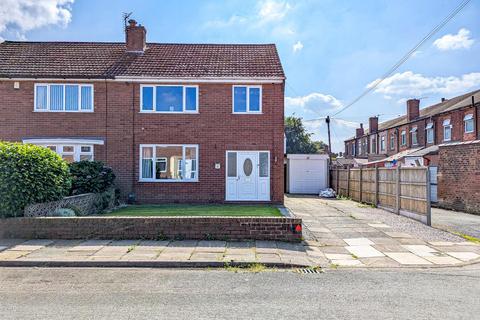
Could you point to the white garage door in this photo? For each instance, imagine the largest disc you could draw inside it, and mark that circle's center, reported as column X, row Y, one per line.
column 307, row 175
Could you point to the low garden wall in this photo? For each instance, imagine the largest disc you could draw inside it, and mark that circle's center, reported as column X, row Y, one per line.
column 154, row 228
column 82, row 204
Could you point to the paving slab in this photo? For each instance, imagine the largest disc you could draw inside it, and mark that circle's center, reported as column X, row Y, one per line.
column 31, row 245
column 464, row 256
column 421, row 250
column 381, row 262
column 364, row 251
column 347, row 263
column 90, row 245
column 407, row 258
column 379, row 225
column 339, row 256
column 443, row 260
column 206, row 256
column 358, row 241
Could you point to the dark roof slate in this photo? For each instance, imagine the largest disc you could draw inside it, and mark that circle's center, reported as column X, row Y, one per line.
column 161, row 60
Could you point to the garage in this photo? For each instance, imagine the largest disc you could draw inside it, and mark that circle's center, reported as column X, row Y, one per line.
column 307, row 173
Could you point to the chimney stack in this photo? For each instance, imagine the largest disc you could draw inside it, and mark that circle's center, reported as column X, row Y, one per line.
column 413, row 109
column 373, row 124
column 359, row 131
column 135, row 37
column 443, row 99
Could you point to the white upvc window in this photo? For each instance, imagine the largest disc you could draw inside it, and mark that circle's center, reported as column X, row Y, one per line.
column 430, row 135
column 447, row 130
column 169, row 99
column 168, row 163
column 382, row 143
column 468, row 120
column 353, row 149
column 247, row 99
column 414, row 136
column 403, row 138
column 72, row 152
column 57, row 97
column 392, row 142
column 373, row 144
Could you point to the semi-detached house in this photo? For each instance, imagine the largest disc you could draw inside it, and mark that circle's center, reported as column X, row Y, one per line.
column 176, row 122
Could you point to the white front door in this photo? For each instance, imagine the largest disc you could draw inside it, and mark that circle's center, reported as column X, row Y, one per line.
column 248, row 176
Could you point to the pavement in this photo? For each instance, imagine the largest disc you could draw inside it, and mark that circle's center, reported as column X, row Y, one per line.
column 455, row 221
column 142, row 293
column 338, row 233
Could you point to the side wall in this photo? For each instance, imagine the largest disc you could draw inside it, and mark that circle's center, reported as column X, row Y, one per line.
column 459, row 177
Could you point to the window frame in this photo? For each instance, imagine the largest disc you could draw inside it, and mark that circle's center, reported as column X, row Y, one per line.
column 80, row 85
column 468, row 118
column 447, row 124
column 392, row 142
column 184, row 98
column 77, row 149
column 383, row 143
column 248, row 87
column 154, row 162
column 403, row 136
column 414, row 133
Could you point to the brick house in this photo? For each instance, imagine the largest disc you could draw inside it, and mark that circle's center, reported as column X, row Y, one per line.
column 444, row 136
column 176, row 122
column 419, row 131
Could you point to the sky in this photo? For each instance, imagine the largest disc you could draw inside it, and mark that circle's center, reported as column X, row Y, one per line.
column 331, row 50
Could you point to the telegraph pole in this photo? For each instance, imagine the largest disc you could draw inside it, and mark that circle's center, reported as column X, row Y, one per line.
column 327, row 120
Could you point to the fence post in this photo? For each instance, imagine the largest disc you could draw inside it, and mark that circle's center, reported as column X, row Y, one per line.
column 360, row 184
column 429, row 197
column 397, row 177
column 376, row 185
column 348, row 183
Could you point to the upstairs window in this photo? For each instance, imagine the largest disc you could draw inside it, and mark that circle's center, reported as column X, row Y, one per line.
column 169, row 99
column 413, row 132
column 468, row 119
column 447, row 130
column 373, row 145
column 403, row 138
column 64, row 97
column 392, row 142
column 382, row 143
column 247, row 99
column 429, row 129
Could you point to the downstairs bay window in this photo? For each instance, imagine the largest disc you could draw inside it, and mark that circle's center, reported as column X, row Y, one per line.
column 168, row 162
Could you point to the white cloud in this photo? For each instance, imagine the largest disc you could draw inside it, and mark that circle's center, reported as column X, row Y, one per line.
column 461, row 40
column 267, row 13
column 313, row 102
column 271, row 10
column 298, row 46
column 415, row 84
column 20, row 16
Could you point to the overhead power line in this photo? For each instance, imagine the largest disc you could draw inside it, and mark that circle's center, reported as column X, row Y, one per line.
column 407, row 55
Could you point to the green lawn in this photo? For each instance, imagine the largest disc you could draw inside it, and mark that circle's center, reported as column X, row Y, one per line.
column 197, row 210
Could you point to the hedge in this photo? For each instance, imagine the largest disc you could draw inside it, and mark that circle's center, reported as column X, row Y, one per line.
column 90, row 176
column 30, row 174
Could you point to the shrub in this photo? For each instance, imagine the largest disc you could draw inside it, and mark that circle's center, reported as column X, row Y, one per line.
column 30, row 174
column 90, row 176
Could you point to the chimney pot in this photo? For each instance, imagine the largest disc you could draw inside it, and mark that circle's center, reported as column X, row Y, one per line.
column 135, row 37
column 443, row 99
column 359, row 132
column 413, row 109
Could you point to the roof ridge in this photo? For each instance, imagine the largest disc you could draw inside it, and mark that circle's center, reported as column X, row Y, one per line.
column 151, row 43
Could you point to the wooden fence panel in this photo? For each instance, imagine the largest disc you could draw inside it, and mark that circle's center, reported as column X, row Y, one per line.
column 403, row 190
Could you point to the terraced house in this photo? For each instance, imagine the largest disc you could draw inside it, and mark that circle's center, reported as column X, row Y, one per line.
column 414, row 138
column 444, row 136
column 176, row 122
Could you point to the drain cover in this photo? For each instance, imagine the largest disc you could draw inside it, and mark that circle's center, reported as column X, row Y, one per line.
column 309, row 270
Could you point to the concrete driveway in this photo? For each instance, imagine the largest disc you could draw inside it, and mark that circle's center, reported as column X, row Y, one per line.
column 346, row 233
column 457, row 222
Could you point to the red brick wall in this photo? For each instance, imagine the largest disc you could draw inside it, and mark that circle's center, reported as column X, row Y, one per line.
column 117, row 120
column 459, row 177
